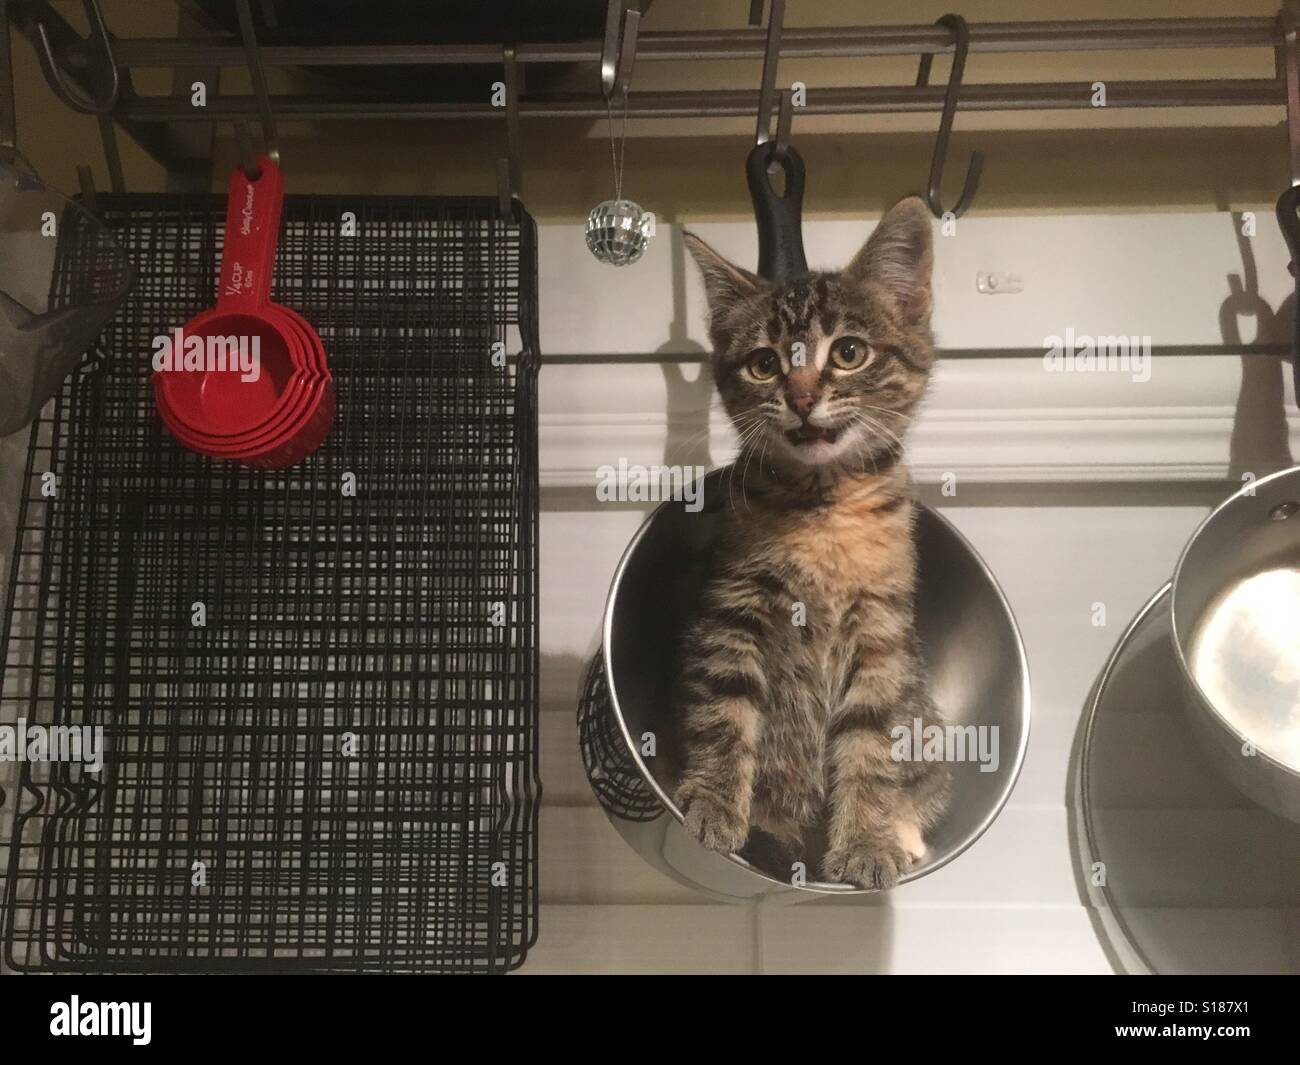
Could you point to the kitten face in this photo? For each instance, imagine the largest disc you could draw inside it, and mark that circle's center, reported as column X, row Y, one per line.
column 826, row 370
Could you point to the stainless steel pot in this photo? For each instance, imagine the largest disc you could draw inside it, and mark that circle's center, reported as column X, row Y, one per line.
column 1185, row 874
column 974, row 658
column 1236, row 625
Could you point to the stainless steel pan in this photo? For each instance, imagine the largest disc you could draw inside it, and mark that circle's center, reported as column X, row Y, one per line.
column 1236, row 623
column 974, row 658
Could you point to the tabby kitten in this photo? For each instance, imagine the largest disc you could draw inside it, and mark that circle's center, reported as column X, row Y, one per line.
column 787, row 725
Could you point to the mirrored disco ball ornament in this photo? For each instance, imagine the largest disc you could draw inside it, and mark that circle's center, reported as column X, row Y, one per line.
column 618, row 232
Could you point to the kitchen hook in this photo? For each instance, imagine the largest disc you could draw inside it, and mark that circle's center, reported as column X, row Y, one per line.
column 89, row 196
column 961, row 45
column 8, row 116
column 1288, row 203
column 508, row 172
column 767, row 88
column 617, row 57
column 247, row 153
column 779, row 215
column 784, row 117
column 92, row 58
column 257, row 73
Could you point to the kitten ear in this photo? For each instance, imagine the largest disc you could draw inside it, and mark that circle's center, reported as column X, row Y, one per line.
column 899, row 257
column 724, row 282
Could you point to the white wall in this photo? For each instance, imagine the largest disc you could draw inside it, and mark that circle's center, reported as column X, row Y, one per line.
column 1165, row 276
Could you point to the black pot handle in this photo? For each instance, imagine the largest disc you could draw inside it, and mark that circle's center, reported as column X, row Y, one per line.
column 779, row 218
column 1287, row 206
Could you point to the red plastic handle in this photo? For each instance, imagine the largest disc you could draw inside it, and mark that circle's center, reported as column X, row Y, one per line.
column 252, row 229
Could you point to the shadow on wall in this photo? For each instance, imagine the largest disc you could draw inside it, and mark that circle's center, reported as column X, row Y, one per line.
column 828, row 936
column 686, row 442
column 1260, row 439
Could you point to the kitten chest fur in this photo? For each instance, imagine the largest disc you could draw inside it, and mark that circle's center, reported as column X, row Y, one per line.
column 843, row 561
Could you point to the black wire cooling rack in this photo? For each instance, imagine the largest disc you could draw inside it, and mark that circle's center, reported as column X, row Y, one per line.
column 318, row 686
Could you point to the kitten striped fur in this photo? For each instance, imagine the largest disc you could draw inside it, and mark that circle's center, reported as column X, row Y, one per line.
column 802, row 656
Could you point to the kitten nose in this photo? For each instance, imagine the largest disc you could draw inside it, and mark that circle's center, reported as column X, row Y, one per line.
column 801, row 391
column 802, row 403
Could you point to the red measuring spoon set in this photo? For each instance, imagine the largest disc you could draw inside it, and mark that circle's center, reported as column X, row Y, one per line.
column 248, row 379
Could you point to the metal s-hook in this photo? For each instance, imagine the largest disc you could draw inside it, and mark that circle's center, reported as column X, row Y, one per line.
column 257, row 73
column 508, row 166
column 778, row 215
column 784, row 119
column 622, row 24
column 247, row 153
column 8, row 115
column 961, row 45
column 1288, row 203
column 92, row 57
column 767, row 88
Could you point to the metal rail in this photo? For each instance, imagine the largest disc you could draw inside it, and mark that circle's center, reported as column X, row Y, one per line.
column 947, row 354
column 145, row 118
column 884, row 99
column 738, row 44
column 743, row 43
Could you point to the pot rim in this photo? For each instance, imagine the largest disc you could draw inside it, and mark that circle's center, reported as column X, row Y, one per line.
column 819, row 887
column 1245, row 491
column 1086, row 841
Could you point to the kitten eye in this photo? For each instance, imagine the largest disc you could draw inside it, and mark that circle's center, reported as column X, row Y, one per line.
column 764, row 364
column 850, row 353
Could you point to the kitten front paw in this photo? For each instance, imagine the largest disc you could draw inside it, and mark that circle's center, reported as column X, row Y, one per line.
column 709, row 818
column 871, row 864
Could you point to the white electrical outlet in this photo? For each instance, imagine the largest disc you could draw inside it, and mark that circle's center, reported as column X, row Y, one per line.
column 993, row 282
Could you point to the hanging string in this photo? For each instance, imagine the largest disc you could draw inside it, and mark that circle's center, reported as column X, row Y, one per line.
column 617, row 155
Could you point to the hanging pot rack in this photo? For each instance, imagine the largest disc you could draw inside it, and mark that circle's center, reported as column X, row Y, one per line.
column 70, row 60
column 94, row 74
column 222, row 50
